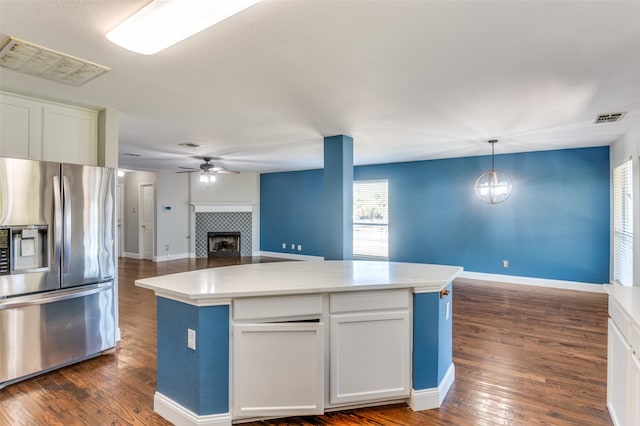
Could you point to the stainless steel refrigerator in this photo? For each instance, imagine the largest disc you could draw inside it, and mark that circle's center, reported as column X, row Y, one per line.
column 57, row 265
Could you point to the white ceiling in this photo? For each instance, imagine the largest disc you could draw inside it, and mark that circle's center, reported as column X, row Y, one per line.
column 408, row 80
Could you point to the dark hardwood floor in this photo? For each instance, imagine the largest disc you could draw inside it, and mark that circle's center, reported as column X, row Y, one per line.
column 523, row 356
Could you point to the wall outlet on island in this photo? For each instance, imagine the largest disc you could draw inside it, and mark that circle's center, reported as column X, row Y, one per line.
column 299, row 247
column 191, row 339
column 505, row 264
column 284, row 245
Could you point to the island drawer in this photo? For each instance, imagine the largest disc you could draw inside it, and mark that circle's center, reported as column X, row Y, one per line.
column 635, row 342
column 369, row 301
column 278, row 308
column 620, row 319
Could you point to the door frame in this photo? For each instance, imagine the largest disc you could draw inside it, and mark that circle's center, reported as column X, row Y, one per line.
column 120, row 218
column 141, row 213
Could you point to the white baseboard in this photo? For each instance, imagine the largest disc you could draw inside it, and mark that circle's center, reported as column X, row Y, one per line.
column 292, row 256
column 427, row 399
column 180, row 416
column 167, row 257
column 131, row 255
column 540, row 282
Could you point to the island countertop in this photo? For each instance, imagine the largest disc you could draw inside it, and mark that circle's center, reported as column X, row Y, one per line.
column 298, row 277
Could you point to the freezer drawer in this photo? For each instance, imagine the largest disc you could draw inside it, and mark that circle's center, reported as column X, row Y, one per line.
column 46, row 331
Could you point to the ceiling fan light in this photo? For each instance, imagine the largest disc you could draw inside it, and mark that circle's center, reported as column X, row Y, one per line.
column 207, row 176
column 163, row 23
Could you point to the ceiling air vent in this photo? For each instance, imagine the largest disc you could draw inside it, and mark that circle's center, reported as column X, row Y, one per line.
column 131, row 154
column 36, row 60
column 609, row 118
column 190, row 145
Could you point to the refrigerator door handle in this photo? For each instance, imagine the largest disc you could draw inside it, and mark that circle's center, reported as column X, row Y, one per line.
column 66, row 244
column 57, row 224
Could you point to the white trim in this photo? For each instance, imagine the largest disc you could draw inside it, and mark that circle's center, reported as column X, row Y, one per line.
column 222, row 207
column 118, row 334
column 194, row 302
column 131, row 255
column 287, row 255
column 426, row 399
column 181, row 416
column 166, row 257
column 540, row 282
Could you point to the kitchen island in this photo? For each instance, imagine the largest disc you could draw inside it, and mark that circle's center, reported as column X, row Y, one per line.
column 623, row 357
column 300, row 338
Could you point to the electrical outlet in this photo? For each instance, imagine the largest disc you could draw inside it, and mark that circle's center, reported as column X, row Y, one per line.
column 293, row 246
column 191, row 339
column 505, row 264
column 447, row 311
column 284, row 245
column 166, row 247
column 299, row 247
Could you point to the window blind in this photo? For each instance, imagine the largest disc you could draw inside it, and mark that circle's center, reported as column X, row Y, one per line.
column 371, row 218
column 623, row 224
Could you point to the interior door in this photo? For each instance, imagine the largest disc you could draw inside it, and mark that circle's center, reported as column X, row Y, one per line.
column 147, row 221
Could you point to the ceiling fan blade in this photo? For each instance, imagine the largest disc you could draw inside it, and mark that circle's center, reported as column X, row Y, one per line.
column 228, row 172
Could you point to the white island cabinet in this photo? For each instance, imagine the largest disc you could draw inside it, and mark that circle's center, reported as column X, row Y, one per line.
column 623, row 364
column 296, row 338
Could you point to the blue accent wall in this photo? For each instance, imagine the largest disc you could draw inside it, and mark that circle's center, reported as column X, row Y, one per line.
column 425, row 340
column 555, row 225
column 292, row 212
column 197, row 380
column 338, row 197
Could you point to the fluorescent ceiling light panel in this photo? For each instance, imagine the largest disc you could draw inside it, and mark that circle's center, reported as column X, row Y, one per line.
column 163, row 23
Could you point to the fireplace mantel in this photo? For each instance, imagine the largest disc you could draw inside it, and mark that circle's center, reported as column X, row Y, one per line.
column 222, row 207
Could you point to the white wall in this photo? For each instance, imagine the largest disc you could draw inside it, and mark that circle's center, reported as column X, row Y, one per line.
column 228, row 189
column 625, row 148
column 172, row 227
column 242, row 188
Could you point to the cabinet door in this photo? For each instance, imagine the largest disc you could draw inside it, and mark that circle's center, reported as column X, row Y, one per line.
column 70, row 135
column 278, row 369
column 618, row 376
column 20, row 128
column 634, row 397
column 370, row 356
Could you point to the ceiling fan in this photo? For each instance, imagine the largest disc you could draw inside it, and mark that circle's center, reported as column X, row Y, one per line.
column 208, row 171
column 207, row 167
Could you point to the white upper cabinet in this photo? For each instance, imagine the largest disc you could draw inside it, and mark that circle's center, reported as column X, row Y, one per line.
column 69, row 135
column 20, row 127
column 40, row 130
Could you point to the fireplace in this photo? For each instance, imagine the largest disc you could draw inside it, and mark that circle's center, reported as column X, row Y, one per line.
column 223, row 244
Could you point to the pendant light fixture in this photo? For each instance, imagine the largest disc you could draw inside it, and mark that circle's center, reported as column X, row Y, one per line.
column 493, row 186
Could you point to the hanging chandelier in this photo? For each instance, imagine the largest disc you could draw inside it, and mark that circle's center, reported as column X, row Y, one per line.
column 493, row 186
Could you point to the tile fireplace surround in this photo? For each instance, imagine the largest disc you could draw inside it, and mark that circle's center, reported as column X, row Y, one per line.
column 223, row 222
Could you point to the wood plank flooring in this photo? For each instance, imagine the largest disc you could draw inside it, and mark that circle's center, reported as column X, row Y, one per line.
column 523, row 356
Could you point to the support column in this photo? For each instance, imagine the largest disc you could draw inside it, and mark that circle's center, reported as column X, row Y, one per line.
column 338, row 197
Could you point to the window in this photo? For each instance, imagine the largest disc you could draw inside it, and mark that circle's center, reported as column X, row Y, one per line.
column 623, row 224
column 371, row 219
